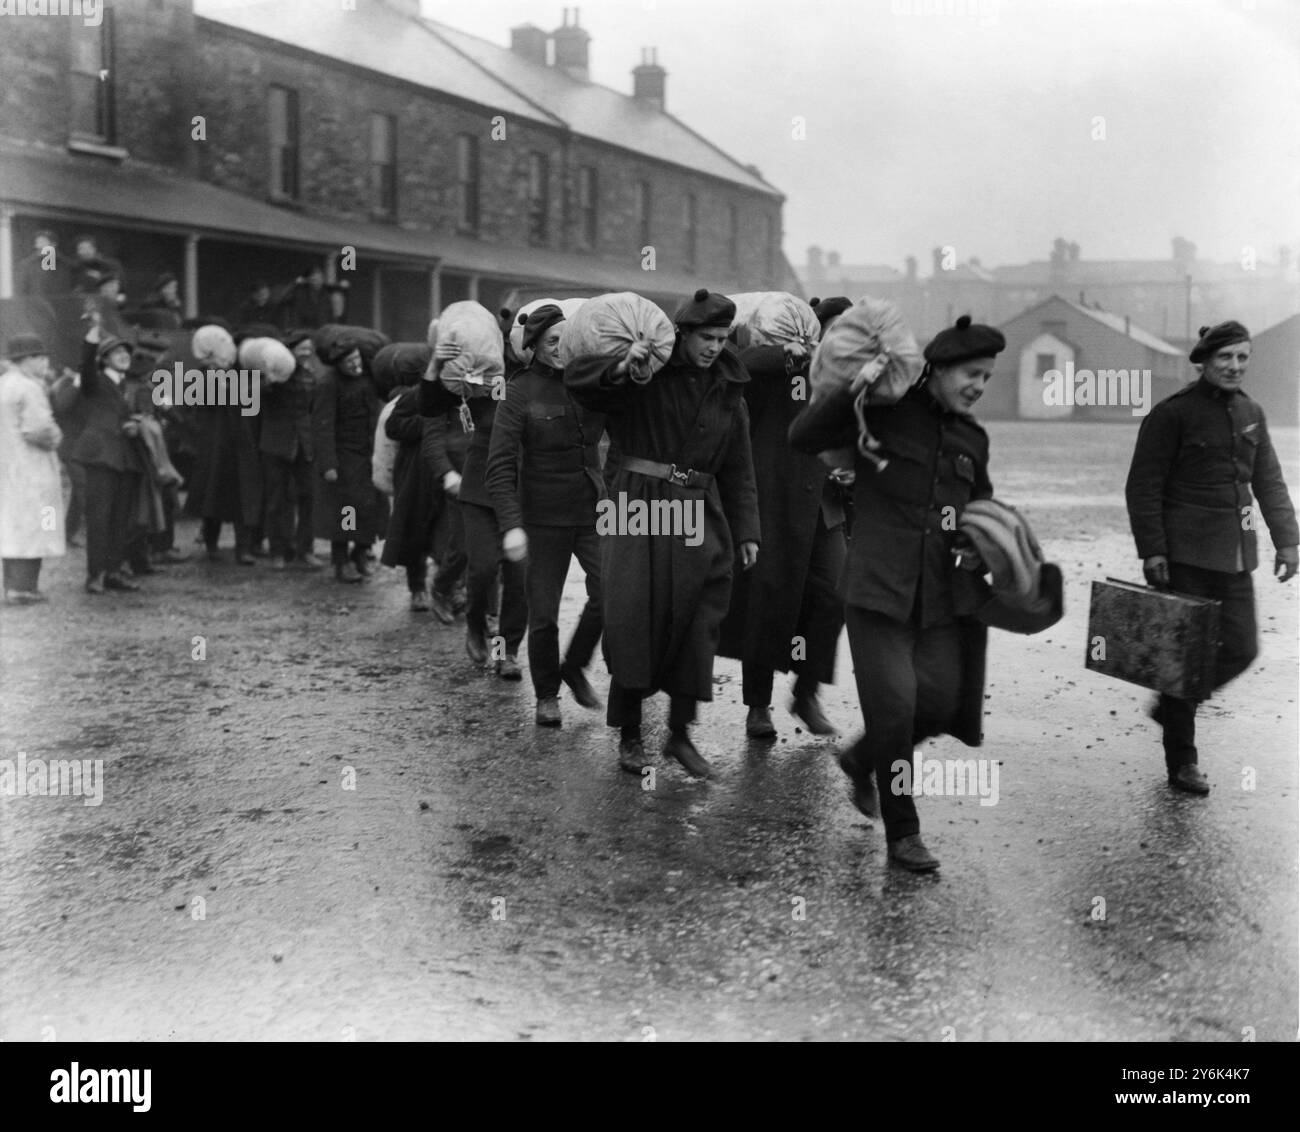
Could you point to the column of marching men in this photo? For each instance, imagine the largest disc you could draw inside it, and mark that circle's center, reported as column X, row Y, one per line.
column 824, row 474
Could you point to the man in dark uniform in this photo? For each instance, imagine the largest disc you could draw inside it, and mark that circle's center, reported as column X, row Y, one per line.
column 904, row 600
column 288, row 452
column 680, row 438
column 1198, row 455
column 543, row 472
column 786, row 614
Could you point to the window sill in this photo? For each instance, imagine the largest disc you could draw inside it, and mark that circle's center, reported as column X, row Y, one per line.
column 97, row 149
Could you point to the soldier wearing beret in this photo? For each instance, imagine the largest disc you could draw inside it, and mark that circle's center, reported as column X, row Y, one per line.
column 543, row 471
column 1199, row 454
column 918, row 660
column 682, row 437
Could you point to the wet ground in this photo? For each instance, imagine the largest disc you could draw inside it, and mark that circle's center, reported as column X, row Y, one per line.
column 488, row 879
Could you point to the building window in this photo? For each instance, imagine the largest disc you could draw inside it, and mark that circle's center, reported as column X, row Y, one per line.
column 92, row 96
column 643, row 212
column 467, row 175
column 284, row 143
column 691, row 222
column 539, row 197
column 733, row 237
column 383, row 164
column 1045, row 362
column 587, row 214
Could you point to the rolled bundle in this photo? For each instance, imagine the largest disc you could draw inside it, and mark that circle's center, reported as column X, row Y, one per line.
column 214, row 347
column 775, row 318
column 1003, row 539
column 334, row 341
column 269, row 356
column 481, row 362
column 855, row 339
column 400, row 363
column 608, row 325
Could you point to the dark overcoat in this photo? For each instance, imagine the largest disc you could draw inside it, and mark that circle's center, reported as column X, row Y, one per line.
column 766, row 601
column 664, row 601
column 417, row 494
column 345, row 413
column 900, row 561
column 226, row 482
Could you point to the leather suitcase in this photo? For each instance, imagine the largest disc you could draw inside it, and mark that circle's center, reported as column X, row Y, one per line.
column 1164, row 641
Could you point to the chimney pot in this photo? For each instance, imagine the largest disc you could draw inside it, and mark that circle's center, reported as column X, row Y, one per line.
column 649, row 79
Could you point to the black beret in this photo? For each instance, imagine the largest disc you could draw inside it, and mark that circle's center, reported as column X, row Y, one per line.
column 964, row 341
column 705, row 308
column 539, row 322
column 827, row 309
column 1214, row 338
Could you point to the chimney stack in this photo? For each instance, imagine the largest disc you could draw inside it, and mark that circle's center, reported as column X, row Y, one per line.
column 406, row 7
column 571, row 44
column 648, row 79
column 530, row 42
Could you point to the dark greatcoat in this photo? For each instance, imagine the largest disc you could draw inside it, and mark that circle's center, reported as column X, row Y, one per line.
column 664, row 601
column 901, row 555
column 226, row 483
column 417, row 494
column 345, row 414
column 766, row 601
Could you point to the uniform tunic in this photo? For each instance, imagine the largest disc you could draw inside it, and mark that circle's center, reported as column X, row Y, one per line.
column 665, row 600
column 1199, row 453
column 918, row 652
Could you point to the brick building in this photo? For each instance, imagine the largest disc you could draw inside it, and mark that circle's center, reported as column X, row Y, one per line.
column 227, row 141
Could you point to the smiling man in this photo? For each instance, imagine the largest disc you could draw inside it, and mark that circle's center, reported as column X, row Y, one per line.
column 917, row 661
column 1198, row 456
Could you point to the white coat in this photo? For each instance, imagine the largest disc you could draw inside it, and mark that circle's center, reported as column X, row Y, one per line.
column 31, row 492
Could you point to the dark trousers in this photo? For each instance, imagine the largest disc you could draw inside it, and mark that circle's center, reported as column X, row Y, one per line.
column 1238, row 646
column 449, row 548
column 549, row 552
column 339, row 551
column 288, row 492
column 108, row 509
column 909, row 687
column 163, row 541
column 212, row 535
column 22, row 575
column 623, row 710
column 821, row 617
column 483, row 547
column 76, row 497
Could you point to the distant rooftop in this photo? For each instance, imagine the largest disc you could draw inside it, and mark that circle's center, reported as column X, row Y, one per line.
column 438, row 57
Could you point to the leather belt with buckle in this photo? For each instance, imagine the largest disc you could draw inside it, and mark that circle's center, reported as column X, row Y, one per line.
column 682, row 477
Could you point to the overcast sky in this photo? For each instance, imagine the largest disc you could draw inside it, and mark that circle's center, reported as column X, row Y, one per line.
column 974, row 126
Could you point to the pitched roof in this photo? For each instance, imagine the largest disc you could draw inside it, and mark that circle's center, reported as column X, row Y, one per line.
column 1115, row 322
column 155, row 199
column 439, row 57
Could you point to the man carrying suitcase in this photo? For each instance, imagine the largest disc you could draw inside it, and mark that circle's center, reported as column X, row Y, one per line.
column 1199, row 454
